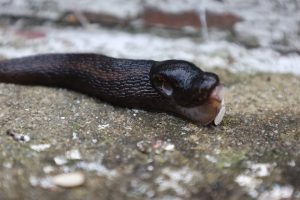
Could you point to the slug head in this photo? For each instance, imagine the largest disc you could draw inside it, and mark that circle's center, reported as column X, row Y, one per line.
column 193, row 93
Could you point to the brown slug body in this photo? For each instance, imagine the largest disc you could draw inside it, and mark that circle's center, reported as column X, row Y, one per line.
column 174, row 86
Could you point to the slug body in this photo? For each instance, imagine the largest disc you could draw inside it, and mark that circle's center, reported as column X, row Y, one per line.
column 174, row 86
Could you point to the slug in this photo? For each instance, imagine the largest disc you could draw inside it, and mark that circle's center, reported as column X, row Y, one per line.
column 173, row 86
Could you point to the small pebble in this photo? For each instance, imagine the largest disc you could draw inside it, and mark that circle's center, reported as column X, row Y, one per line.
column 73, row 154
column 48, row 169
column 94, row 141
column 169, row 147
column 74, row 136
column 7, row 165
column 18, row 137
column 40, row 147
column 69, row 180
column 60, row 160
column 150, row 168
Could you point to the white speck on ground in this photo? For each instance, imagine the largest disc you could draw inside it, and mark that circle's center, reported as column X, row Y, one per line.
column 74, row 136
column 103, row 126
column 60, row 160
column 251, row 178
column 45, row 183
column 292, row 163
column 249, row 183
column 277, row 193
column 100, row 169
column 169, row 147
column 211, row 158
column 73, row 154
column 178, row 179
column 40, row 147
column 7, row 165
column 48, row 169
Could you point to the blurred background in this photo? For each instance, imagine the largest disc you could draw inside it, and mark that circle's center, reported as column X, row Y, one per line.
column 237, row 35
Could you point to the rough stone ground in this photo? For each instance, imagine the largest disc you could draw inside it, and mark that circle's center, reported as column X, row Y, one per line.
column 134, row 154
column 254, row 151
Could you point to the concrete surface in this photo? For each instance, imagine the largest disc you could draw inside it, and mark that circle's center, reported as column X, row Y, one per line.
column 133, row 154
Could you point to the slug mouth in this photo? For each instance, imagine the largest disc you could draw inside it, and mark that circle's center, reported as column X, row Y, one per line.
column 212, row 110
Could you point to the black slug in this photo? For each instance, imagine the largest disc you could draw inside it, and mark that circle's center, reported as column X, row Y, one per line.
column 173, row 86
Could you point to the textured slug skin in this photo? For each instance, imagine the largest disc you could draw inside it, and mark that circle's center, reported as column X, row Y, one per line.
column 174, row 86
